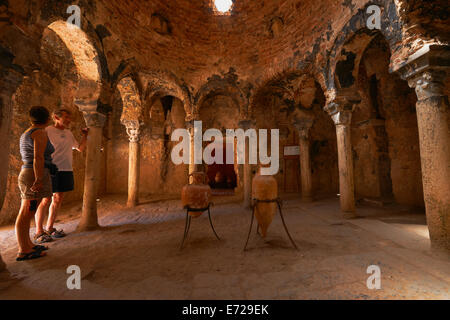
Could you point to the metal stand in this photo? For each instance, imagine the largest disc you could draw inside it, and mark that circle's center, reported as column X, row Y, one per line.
column 188, row 222
column 278, row 201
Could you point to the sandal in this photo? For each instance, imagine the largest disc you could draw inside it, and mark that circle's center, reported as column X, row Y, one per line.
column 43, row 237
column 40, row 248
column 29, row 256
column 56, row 233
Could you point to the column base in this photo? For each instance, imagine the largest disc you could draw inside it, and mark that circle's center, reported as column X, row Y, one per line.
column 246, row 205
column 349, row 215
column 132, row 203
column 440, row 245
column 246, row 201
column 441, row 248
column 307, row 199
column 82, row 228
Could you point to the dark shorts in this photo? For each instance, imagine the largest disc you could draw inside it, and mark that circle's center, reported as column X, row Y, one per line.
column 63, row 181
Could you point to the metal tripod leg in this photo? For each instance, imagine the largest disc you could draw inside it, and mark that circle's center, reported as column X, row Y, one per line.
column 250, row 231
column 186, row 228
column 210, row 221
column 257, row 226
column 285, row 227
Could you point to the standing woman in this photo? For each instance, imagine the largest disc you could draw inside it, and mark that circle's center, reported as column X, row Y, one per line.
column 34, row 179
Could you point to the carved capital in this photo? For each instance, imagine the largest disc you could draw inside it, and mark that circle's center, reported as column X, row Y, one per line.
column 342, row 118
column 429, row 83
column 430, row 56
column 190, row 126
column 86, row 105
column 192, row 116
column 94, row 119
column 342, row 100
column 246, row 124
column 342, row 105
column 133, row 129
column 303, row 127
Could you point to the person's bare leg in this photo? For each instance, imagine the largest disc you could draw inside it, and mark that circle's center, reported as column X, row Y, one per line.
column 40, row 214
column 33, row 214
column 54, row 207
column 22, row 228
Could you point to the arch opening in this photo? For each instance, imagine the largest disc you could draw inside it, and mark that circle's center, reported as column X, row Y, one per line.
column 385, row 133
column 283, row 102
column 220, row 111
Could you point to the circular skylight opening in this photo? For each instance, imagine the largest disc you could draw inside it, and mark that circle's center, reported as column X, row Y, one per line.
column 223, row 6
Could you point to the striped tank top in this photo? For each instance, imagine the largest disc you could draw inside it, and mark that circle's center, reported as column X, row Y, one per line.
column 27, row 150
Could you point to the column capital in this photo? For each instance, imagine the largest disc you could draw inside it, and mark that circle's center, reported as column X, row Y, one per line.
column 429, row 83
column 133, row 129
column 246, row 124
column 430, row 56
column 342, row 100
column 94, row 119
column 342, row 118
column 303, row 127
column 192, row 117
column 426, row 70
column 190, row 125
column 341, row 106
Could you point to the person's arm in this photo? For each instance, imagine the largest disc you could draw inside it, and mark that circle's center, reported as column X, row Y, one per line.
column 83, row 142
column 40, row 143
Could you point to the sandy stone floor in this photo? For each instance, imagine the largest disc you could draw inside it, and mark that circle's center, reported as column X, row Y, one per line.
column 136, row 255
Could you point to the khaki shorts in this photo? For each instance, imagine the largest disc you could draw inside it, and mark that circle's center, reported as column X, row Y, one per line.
column 26, row 181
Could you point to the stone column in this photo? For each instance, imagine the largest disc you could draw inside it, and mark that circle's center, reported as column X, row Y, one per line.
column 95, row 122
column 427, row 72
column 247, row 168
column 133, row 131
column 340, row 110
column 303, row 127
column 190, row 128
column 192, row 166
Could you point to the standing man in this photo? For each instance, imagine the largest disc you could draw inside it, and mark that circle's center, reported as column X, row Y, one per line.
column 64, row 142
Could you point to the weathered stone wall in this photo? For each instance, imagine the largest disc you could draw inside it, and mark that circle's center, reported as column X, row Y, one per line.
column 39, row 89
column 159, row 176
column 52, row 84
column 2, row 265
column 258, row 39
column 182, row 46
column 6, row 116
column 276, row 106
column 323, row 148
column 385, row 133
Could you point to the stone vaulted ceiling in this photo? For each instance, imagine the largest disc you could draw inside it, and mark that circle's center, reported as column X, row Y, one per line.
column 188, row 37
